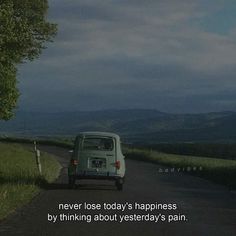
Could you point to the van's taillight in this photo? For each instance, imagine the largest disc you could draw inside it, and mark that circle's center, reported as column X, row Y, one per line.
column 74, row 162
column 117, row 165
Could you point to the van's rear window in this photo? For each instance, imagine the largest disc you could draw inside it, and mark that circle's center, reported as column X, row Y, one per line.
column 97, row 143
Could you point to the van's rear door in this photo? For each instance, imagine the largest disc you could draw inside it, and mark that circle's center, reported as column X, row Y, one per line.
column 99, row 155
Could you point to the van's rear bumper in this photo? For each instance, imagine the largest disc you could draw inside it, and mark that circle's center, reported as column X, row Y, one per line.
column 97, row 175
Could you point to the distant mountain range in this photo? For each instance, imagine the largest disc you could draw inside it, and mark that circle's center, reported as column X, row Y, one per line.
column 148, row 126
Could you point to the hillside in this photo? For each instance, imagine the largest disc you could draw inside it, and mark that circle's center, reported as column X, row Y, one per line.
column 133, row 125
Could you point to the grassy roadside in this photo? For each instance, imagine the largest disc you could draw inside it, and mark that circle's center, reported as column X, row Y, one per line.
column 60, row 142
column 19, row 178
column 220, row 171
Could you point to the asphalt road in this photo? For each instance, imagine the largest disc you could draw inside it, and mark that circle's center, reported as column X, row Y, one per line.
column 203, row 208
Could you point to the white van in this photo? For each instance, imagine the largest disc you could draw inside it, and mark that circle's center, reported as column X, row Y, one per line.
column 97, row 155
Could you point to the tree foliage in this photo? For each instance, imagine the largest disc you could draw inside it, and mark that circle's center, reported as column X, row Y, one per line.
column 24, row 30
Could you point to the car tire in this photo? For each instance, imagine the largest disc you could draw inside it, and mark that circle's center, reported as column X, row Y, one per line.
column 71, row 182
column 119, row 185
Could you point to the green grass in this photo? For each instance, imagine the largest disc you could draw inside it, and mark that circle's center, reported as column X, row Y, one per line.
column 60, row 142
column 218, row 170
column 19, row 177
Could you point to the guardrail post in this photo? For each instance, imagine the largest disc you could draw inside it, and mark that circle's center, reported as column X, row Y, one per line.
column 37, row 155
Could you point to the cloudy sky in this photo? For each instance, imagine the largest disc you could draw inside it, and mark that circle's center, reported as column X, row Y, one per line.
column 170, row 55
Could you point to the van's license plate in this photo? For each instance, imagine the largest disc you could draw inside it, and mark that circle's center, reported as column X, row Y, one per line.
column 97, row 163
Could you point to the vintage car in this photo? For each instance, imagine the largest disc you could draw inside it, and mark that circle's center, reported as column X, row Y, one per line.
column 97, row 155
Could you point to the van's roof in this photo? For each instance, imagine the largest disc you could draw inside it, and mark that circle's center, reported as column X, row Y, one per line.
column 98, row 133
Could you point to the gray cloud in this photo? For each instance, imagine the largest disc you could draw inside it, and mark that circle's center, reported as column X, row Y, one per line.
column 133, row 54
